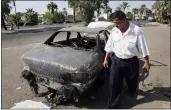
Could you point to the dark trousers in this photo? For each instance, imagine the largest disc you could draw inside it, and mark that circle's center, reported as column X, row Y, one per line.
column 122, row 68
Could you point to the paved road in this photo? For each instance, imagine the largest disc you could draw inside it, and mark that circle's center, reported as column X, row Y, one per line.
column 24, row 38
column 158, row 40
column 36, row 28
column 40, row 26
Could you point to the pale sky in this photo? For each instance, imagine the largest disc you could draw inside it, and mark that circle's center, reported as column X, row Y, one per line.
column 41, row 6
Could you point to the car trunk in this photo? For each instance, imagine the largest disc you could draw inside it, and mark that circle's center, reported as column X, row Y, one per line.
column 50, row 62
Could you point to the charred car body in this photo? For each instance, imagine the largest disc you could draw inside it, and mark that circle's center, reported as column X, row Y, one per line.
column 67, row 67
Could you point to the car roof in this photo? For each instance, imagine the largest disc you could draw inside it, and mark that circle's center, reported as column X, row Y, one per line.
column 83, row 29
column 101, row 24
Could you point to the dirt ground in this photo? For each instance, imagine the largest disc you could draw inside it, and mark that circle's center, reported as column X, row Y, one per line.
column 153, row 87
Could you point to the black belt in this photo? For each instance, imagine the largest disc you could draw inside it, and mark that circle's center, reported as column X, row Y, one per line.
column 129, row 59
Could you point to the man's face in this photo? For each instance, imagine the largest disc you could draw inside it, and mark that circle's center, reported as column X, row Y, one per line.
column 120, row 24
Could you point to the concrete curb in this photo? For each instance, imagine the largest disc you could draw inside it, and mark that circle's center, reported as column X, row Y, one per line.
column 32, row 30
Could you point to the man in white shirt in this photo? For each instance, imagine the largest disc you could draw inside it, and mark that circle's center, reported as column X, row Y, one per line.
column 125, row 43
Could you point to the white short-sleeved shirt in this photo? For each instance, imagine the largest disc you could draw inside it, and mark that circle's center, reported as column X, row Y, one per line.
column 129, row 44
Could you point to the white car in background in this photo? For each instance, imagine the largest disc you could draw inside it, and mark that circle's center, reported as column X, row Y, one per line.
column 100, row 24
column 98, row 19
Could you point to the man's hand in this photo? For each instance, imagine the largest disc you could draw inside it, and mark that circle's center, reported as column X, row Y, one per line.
column 146, row 66
column 105, row 63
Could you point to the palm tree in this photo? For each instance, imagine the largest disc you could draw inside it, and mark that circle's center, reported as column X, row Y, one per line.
column 118, row 9
column 74, row 4
column 142, row 10
column 100, row 4
column 17, row 24
column 31, row 16
column 5, row 11
column 52, row 6
column 134, row 11
column 129, row 16
column 79, row 6
column 18, row 17
column 14, row 17
column 88, row 12
column 28, row 14
column 148, row 12
column 108, row 10
column 65, row 12
column 124, row 5
column 161, row 8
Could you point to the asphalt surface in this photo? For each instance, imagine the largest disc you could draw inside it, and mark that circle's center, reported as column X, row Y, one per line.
column 24, row 38
column 14, row 89
column 39, row 26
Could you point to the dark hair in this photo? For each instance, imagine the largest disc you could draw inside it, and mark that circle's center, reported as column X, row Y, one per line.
column 118, row 14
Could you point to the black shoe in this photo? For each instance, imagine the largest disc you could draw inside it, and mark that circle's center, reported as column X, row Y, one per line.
column 134, row 93
column 109, row 106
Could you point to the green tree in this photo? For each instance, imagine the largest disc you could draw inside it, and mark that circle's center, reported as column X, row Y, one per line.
column 98, row 7
column 161, row 7
column 148, row 12
column 60, row 17
column 31, row 16
column 134, row 11
column 48, row 16
column 57, row 17
column 52, row 7
column 95, row 5
column 118, row 9
column 5, row 11
column 15, row 17
column 100, row 4
column 88, row 12
column 88, row 7
column 142, row 10
column 16, row 21
column 11, row 18
column 65, row 12
column 108, row 10
column 124, row 5
column 74, row 4
column 129, row 16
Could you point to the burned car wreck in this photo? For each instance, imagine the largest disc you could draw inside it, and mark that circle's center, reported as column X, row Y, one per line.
column 66, row 67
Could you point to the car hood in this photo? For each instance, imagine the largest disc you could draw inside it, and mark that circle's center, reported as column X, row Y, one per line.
column 51, row 61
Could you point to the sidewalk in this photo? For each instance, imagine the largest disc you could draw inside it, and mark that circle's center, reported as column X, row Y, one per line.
column 38, row 28
column 53, row 27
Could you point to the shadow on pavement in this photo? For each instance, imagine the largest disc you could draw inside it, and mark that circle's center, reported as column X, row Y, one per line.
column 126, row 102
column 155, row 94
column 96, row 96
column 152, row 63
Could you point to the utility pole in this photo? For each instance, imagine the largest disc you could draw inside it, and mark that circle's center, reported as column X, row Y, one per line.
column 16, row 14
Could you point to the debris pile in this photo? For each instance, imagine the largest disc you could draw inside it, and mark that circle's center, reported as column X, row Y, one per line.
column 30, row 104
